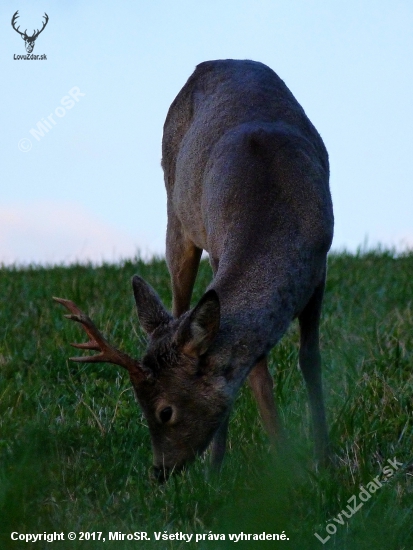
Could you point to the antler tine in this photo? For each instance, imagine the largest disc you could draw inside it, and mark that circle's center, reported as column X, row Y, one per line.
column 97, row 342
column 46, row 17
column 13, row 22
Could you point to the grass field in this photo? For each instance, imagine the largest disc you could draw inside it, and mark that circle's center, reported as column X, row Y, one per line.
column 75, row 452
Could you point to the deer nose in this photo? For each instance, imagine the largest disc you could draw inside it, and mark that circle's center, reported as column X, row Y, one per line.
column 160, row 473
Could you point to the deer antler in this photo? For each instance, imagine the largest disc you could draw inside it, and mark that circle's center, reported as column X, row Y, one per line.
column 13, row 21
column 97, row 342
column 46, row 17
column 24, row 34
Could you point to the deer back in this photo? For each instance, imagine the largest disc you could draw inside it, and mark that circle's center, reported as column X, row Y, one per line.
column 247, row 176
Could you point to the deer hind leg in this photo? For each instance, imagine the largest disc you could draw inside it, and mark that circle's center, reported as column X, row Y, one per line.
column 183, row 258
column 261, row 383
column 310, row 363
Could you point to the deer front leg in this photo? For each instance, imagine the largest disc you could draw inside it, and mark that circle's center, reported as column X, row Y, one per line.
column 310, row 363
column 218, row 446
column 183, row 258
column 261, row 383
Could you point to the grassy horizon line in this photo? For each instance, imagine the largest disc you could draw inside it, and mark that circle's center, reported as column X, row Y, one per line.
column 75, row 450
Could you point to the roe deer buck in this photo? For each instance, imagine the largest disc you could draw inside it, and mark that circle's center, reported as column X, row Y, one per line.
column 246, row 175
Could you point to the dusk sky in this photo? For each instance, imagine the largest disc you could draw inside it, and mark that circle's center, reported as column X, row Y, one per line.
column 91, row 188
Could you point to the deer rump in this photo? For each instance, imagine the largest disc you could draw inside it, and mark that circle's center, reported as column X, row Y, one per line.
column 246, row 176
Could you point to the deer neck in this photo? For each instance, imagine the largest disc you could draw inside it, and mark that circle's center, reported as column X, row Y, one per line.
column 256, row 309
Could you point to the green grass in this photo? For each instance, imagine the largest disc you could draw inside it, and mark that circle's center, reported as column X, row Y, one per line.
column 75, row 452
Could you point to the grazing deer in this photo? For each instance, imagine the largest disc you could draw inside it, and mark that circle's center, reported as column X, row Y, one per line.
column 246, row 176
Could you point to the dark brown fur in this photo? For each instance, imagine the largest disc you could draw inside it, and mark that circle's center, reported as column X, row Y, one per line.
column 246, row 176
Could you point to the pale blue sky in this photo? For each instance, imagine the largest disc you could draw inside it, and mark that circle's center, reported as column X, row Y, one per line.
column 92, row 187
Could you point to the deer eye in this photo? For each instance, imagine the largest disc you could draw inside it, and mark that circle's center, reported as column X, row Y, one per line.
column 165, row 415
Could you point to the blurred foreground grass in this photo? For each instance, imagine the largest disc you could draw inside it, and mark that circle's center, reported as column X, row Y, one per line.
column 75, row 452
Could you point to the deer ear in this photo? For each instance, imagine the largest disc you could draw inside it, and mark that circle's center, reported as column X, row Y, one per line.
column 151, row 311
column 201, row 326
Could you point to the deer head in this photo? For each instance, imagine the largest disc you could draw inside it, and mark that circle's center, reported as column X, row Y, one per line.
column 181, row 393
column 28, row 40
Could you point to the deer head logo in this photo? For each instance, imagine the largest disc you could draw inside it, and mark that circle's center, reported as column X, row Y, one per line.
column 28, row 40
